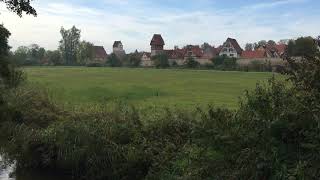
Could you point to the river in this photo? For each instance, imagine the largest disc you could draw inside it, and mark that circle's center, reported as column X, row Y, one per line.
column 6, row 171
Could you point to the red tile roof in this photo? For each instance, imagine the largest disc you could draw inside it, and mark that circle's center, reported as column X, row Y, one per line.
column 281, row 48
column 100, row 52
column 175, row 54
column 253, row 54
column 157, row 40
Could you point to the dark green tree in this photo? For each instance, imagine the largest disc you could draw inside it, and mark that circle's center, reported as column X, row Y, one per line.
column 262, row 43
column 114, row 61
column 9, row 76
column 54, row 57
column 206, row 46
column 134, row 60
column 20, row 6
column 271, row 42
column 85, row 53
column 69, row 44
column 191, row 63
column 302, row 47
column 20, row 55
column 35, row 55
column 161, row 61
column 4, row 50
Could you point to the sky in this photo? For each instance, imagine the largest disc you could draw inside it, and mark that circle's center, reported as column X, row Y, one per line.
column 180, row 22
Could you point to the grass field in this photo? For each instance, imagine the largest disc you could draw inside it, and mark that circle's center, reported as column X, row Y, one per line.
column 145, row 87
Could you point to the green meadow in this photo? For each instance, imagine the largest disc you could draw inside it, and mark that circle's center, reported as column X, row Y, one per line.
column 144, row 87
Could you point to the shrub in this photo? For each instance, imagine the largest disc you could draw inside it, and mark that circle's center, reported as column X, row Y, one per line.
column 191, row 63
column 161, row 61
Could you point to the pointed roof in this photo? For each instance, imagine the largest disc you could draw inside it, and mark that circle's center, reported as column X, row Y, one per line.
column 157, row 40
column 235, row 44
column 117, row 43
column 100, row 52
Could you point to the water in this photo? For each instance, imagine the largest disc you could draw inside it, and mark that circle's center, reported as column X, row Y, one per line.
column 6, row 171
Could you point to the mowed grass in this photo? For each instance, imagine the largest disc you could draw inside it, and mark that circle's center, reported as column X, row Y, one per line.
column 145, row 87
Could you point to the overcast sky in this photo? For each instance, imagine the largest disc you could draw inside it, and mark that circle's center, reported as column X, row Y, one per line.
column 180, row 22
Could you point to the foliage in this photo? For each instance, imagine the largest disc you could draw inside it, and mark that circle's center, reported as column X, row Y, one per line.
column 134, row 60
column 114, row 61
column 54, row 57
column 29, row 55
column 161, row 61
column 249, row 47
column 206, row 46
column 69, row 44
column 224, row 63
column 271, row 42
column 85, row 53
column 302, row 47
column 20, row 6
column 9, row 75
column 191, row 63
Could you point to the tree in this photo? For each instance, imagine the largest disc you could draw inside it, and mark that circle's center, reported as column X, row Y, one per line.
column 85, row 53
column 69, row 44
column 272, row 43
column 224, row 62
column 54, row 57
column 262, row 43
column 303, row 47
column 8, row 73
column 4, row 50
column 20, row 55
column 217, row 61
column 230, row 63
column 206, row 46
column 134, row 60
column 249, row 47
column 114, row 61
column 35, row 54
column 20, row 6
column 191, row 63
column 161, row 61
column 284, row 41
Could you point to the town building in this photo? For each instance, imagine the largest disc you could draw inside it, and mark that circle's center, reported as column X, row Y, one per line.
column 157, row 44
column 231, row 48
column 266, row 51
column 100, row 55
column 118, row 49
column 177, row 56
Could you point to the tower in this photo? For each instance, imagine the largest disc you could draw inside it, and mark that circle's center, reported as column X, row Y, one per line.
column 157, row 44
column 118, row 49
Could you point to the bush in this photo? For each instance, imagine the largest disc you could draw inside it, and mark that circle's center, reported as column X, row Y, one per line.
column 114, row 61
column 161, row 61
column 191, row 63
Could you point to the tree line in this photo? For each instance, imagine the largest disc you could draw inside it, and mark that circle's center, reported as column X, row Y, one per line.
column 71, row 51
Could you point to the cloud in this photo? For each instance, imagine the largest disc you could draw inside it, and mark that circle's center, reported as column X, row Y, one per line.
column 271, row 4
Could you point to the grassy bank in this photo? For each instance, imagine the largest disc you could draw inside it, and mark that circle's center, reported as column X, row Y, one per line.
column 145, row 87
